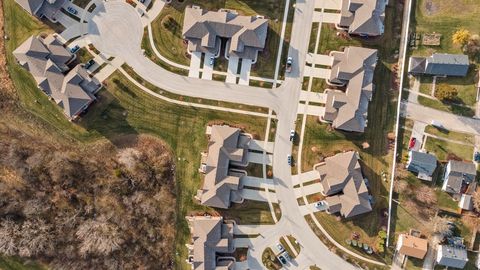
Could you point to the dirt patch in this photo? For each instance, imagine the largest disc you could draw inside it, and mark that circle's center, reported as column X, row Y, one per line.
column 430, row 8
column 7, row 91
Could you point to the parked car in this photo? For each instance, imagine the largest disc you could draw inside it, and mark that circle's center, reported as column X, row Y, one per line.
column 289, row 160
column 437, row 124
column 286, row 256
column 319, row 204
column 89, row 64
column 289, row 64
column 142, row 1
column 72, row 10
column 412, row 143
column 292, row 135
column 212, row 60
column 282, row 260
column 280, row 248
column 75, row 49
column 476, row 157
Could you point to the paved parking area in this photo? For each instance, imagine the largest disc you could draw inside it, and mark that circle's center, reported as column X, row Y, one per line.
column 207, row 67
column 323, row 73
column 245, row 72
column 232, row 70
column 195, row 60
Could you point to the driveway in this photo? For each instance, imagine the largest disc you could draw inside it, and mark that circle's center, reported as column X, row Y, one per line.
column 328, row 4
column 232, row 69
column 418, row 133
column 326, row 17
column 245, row 71
column 251, row 229
column 308, row 190
column 311, row 208
column 258, row 195
column 319, row 59
column 257, row 182
column 314, row 97
column 311, row 110
column 305, row 177
column 323, row 73
column 261, row 146
column 449, row 121
column 195, row 59
column 258, row 158
column 207, row 67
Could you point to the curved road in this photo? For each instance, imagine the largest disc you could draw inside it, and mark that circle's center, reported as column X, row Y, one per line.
column 116, row 29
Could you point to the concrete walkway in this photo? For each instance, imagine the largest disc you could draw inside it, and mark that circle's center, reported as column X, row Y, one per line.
column 313, row 97
column 258, row 158
column 262, row 145
column 257, row 182
column 305, row 177
column 245, row 71
column 319, row 59
column 251, row 229
column 232, row 69
column 257, row 195
column 194, row 70
column 310, row 110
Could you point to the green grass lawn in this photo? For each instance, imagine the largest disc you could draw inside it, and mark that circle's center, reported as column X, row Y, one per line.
column 167, row 29
column 83, row 55
column 13, row 263
column 313, row 37
column 466, row 86
column 452, row 135
column 451, row 108
column 445, row 201
column 248, row 212
column 426, row 85
column 443, row 149
column 287, row 247
column 329, row 41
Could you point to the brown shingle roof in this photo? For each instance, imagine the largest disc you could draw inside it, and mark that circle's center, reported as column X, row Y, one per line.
column 412, row 246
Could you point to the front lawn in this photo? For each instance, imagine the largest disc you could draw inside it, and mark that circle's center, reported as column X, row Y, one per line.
column 444, row 150
column 248, row 212
column 451, row 108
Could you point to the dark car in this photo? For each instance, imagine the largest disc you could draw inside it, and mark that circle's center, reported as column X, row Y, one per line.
column 75, row 49
column 289, row 160
column 282, row 260
column 476, row 157
column 89, row 64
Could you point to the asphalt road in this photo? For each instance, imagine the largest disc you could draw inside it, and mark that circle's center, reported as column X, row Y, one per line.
column 116, row 29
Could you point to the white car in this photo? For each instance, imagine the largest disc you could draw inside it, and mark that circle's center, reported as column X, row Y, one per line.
column 320, row 204
column 292, row 135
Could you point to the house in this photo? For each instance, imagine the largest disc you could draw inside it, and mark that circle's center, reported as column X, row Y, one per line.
column 457, row 175
column 42, row 8
column 347, row 110
column 423, row 164
column 48, row 62
column 454, row 256
column 466, row 202
column 227, row 146
column 363, row 17
column 211, row 237
column 343, row 183
column 412, row 246
column 439, row 64
column 204, row 31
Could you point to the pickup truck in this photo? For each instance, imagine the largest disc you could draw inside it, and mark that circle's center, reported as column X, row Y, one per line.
column 289, row 64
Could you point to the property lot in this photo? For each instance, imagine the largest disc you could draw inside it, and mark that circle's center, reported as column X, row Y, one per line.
column 167, row 29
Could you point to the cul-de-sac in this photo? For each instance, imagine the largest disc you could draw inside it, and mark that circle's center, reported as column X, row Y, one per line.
column 239, row 134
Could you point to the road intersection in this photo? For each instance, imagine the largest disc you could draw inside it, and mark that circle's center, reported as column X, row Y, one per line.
column 124, row 41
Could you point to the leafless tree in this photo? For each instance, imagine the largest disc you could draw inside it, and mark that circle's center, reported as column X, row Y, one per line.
column 441, row 225
column 476, row 200
column 99, row 237
column 9, row 234
column 36, row 238
column 426, row 195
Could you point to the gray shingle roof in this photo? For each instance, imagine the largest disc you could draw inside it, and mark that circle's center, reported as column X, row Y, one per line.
column 218, row 183
column 247, row 34
column 355, row 68
column 457, row 174
column 363, row 17
column 422, row 163
column 46, row 59
column 452, row 256
column 209, row 236
column 342, row 181
column 440, row 64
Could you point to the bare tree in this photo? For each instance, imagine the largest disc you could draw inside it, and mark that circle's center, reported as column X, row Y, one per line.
column 442, row 225
column 9, row 233
column 99, row 237
column 36, row 238
column 426, row 195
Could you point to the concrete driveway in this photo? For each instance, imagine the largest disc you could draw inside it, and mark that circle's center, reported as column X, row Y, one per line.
column 232, row 70
column 195, row 60
column 245, row 72
column 207, row 72
column 305, row 177
column 308, row 190
column 257, row 182
column 319, row 59
column 323, row 73
column 311, row 110
column 313, row 97
column 326, row 17
column 309, row 208
column 258, row 195
column 328, row 4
